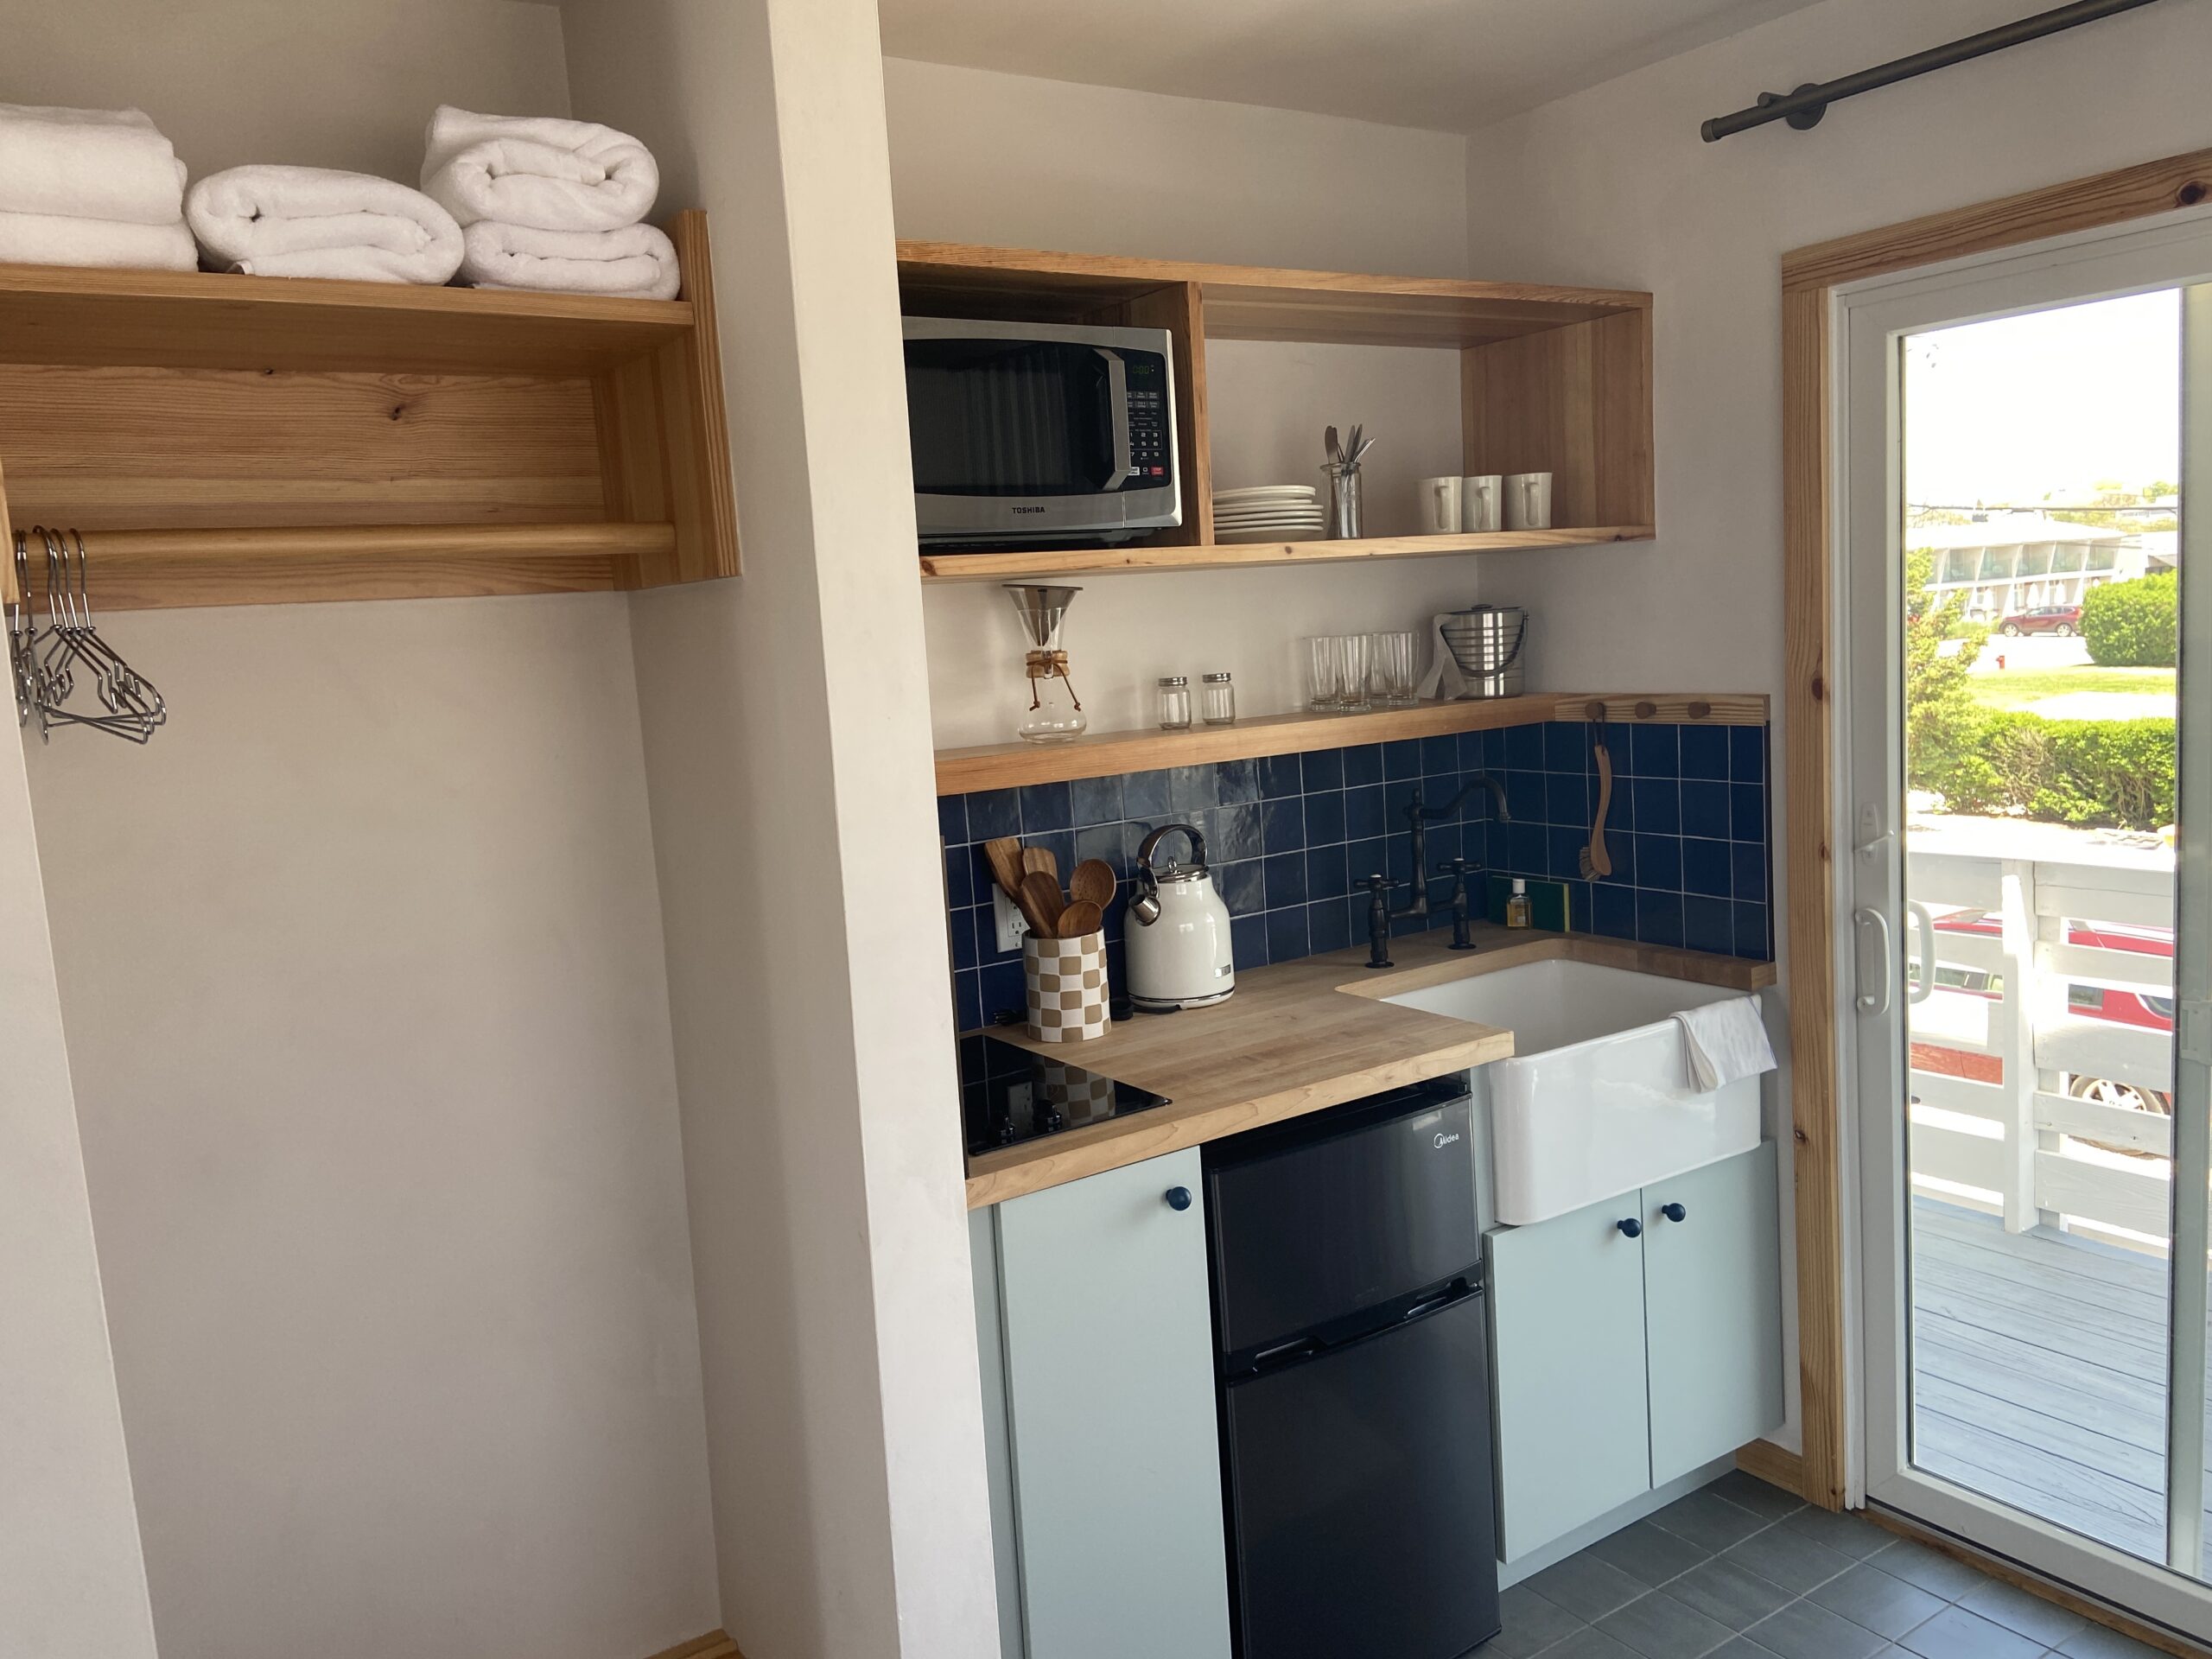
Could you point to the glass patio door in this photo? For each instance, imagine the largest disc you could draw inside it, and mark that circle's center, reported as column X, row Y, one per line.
column 2028, row 808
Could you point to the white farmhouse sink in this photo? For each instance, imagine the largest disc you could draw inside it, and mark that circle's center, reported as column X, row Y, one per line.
column 1596, row 1101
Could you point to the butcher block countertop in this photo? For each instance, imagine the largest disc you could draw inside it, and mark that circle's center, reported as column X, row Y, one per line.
column 1298, row 1036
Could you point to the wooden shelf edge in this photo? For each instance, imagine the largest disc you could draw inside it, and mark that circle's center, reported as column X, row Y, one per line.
column 159, row 569
column 961, row 255
column 974, row 566
column 1105, row 754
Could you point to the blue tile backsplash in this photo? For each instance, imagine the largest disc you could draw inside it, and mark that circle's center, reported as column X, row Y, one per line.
column 1287, row 837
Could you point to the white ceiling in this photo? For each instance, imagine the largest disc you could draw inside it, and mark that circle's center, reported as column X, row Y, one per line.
column 1450, row 65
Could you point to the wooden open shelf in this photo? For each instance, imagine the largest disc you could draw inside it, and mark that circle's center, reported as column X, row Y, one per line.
column 1106, row 754
column 228, row 440
column 972, row 565
column 1552, row 379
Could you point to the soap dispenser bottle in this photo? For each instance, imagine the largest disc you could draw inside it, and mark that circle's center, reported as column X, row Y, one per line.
column 1516, row 906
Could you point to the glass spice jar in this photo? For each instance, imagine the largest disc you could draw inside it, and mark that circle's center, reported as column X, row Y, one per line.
column 1174, row 703
column 1218, row 700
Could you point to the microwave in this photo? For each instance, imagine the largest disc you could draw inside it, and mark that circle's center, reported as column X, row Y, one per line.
column 1034, row 432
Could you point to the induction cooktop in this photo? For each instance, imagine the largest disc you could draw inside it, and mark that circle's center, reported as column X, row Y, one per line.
column 1008, row 1094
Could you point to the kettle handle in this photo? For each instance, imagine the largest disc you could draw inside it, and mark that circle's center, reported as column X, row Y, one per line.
column 1145, row 850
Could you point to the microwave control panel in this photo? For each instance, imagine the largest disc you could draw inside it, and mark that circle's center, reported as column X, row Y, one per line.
column 1149, row 449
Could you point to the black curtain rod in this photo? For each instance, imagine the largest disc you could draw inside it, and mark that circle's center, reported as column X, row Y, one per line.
column 1805, row 107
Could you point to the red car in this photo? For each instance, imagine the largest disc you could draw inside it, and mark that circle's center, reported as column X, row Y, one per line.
column 2064, row 620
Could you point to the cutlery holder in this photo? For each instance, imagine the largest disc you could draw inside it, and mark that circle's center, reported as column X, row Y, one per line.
column 1066, row 983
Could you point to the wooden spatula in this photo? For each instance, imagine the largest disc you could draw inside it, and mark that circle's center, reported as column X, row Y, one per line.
column 1004, row 853
column 1092, row 883
column 1040, row 860
column 1041, row 904
column 1080, row 917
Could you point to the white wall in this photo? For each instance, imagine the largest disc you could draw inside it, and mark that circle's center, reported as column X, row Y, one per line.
column 1614, row 185
column 363, row 983
column 361, row 967
column 73, row 1583
column 320, row 83
column 978, row 156
column 795, row 825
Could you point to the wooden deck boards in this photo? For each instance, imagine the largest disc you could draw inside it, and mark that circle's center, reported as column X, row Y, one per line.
column 2039, row 1366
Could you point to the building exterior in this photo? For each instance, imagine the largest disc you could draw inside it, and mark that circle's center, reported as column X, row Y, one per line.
column 2012, row 563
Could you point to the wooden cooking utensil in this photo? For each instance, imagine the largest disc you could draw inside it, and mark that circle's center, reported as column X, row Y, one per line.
column 1041, row 904
column 1004, row 853
column 1092, row 883
column 1040, row 860
column 1080, row 917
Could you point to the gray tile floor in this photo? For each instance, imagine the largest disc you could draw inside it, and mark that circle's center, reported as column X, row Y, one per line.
column 1744, row 1571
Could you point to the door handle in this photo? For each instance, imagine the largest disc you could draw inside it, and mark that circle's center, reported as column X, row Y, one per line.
column 1873, row 1001
column 1179, row 1197
column 1923, row 924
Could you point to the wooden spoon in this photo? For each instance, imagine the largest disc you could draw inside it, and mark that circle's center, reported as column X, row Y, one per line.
column 1041, row 904
column 1080, row 917
column 1004, row 853
column 1092, row 883
column 1039, row 859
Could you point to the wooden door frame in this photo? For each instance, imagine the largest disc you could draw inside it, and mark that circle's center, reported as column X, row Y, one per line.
column 1809, row 278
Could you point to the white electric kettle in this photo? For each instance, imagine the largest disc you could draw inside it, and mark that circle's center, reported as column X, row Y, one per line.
column 1178, row 932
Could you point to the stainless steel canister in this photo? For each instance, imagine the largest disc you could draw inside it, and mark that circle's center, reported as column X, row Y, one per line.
column 1490, row 643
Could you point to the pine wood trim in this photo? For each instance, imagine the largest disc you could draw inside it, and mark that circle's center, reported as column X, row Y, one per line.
column 1810, row 276
column 1775, row 1465
column 1997, row 1567
column 1107, row 754
column 2086, row 204
column 715, row 1644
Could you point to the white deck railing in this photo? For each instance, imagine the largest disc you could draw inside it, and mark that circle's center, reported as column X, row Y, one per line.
column 2023, row 1147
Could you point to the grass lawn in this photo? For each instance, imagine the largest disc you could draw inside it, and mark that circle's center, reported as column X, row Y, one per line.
column 2018, row 688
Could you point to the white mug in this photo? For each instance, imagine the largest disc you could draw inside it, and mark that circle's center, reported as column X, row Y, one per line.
column 1528, row 501
column 1478, row 501
column 1439, row 506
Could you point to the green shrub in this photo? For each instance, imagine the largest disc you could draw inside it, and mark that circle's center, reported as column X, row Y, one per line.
column 2118, row 773
column 2133, row 624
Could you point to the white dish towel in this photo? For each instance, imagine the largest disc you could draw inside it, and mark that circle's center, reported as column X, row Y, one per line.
column 637, row 262
column 1723, row 1043
column 97, row 164
column 1444, row 676
column 312, row 221
column 55, row 239
column 545, row 172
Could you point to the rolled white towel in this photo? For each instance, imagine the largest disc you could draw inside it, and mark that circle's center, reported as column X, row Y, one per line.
column 59, row 239
column 1723, row 1042
column 543, row 171
column 636, row 262
column 312, row 221
column 100, row 164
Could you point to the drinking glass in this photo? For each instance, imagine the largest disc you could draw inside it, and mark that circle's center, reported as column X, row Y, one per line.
column 1352, row 650
column 1393, row 657
column 1325, row 674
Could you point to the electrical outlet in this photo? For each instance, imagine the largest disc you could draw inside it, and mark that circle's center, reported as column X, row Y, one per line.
column 1011, row 925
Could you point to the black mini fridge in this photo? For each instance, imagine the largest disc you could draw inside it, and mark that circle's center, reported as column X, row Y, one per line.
column 1354, row 1382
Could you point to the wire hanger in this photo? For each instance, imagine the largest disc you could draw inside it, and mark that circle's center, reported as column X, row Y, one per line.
column 48, row 665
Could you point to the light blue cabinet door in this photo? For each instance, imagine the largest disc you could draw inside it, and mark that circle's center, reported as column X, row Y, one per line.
column 1566, row 1310
column 1712, row 1298
column 1108, row 1342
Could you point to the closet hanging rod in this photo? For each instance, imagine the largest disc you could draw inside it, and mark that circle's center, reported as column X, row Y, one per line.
column 1805, row 107
column 143, row 547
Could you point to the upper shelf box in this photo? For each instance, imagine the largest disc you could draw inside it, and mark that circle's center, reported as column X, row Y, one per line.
column 76, row 318
column 1246, row 302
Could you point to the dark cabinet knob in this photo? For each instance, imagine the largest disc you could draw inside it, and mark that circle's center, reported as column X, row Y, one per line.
column 1674, row 1212
column 1179, row 1197
column 1631, row 1227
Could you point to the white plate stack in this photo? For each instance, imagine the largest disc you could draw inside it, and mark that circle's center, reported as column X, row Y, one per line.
column 1268, row 512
